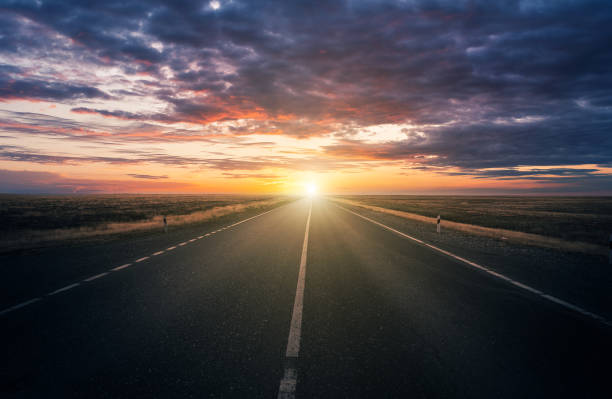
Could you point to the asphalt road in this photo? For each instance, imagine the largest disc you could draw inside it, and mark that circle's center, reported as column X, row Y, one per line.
column 381, row 316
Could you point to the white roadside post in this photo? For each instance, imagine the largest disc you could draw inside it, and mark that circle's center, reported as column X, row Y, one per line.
column 438, row 228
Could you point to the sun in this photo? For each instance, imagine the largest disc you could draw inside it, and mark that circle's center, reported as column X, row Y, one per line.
column 311, row 189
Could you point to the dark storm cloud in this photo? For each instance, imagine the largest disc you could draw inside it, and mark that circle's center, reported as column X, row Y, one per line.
column 139, row 157
column 31, row 124
column 574, row 179
column 148, row 177
column 559, row 140
column 111, row 114
column 30, row 89
column 476, row 70
column 532, row 173
column 20, row 154
column 32, row 182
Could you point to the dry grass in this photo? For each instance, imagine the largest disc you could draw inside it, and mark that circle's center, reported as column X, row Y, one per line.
column 29, row 237
column 502, row 234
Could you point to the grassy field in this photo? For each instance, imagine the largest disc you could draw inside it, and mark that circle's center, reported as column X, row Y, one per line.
column 31, row 219
column 583, row 219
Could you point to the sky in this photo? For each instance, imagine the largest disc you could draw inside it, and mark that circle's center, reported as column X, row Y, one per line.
column 372, row 97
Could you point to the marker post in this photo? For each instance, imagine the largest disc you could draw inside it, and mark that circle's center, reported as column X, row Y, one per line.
column 438, row 227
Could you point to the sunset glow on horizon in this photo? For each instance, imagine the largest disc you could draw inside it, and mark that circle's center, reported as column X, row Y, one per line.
column 260, row 97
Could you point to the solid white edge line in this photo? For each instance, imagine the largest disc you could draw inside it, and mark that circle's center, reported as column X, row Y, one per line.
column 66, row 288
column 286, row 389
column 19, row 306
column 97, row 276
column 500, row 276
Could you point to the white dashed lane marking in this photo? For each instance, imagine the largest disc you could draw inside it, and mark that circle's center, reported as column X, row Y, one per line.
column 66, row 288
column 121, row 267
column 97, row 276
column 19, row 306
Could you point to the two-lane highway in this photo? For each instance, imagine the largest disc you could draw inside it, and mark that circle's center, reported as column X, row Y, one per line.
column 379, row 316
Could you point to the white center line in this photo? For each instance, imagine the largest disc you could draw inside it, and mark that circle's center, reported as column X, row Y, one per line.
column 500, row 276
column 121, row 267
column 288, row 383
column 20, row 305
column 97, row 276
column 66, row 288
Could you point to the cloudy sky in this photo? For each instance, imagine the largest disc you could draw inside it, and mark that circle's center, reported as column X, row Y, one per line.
column 473, row 97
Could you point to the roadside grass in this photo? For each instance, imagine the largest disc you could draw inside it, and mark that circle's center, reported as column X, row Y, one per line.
column 580, row 224
column 29, row 221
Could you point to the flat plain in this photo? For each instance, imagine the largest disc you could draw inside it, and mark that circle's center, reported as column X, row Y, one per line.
column 30, row 220
column 584, row 219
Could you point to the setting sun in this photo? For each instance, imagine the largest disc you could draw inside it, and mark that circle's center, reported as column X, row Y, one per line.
column 311, row 189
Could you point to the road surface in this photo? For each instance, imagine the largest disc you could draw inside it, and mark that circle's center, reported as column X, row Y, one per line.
column 223, row 315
